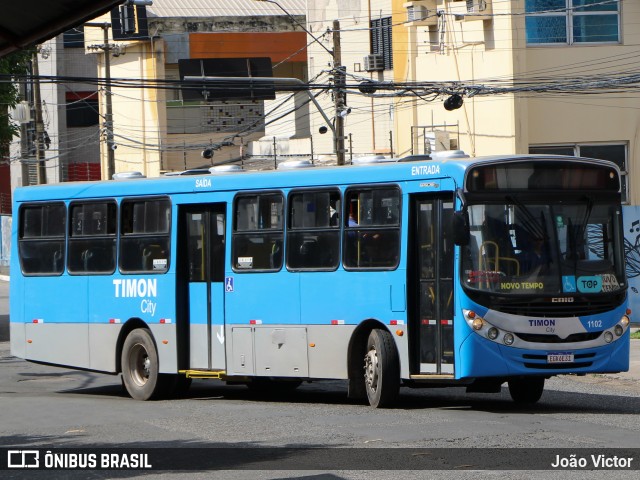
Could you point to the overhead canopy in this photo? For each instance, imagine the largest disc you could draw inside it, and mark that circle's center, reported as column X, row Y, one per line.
column 28, row 22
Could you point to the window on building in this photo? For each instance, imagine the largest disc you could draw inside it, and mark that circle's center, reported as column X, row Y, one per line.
column 144, row 235
column 381, row 40
column 372, row 228
column 73, row 38
column 313, row 231
column 92, row 238
column 572, row 21
column 41, row 238
column 616, row 153
column 82, row 109
column 258, row 232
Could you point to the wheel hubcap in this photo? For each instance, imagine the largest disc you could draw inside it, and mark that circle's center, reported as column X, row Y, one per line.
column 371, row 372
column 140, row 365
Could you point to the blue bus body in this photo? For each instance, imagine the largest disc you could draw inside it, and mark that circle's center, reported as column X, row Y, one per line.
column 247, row 277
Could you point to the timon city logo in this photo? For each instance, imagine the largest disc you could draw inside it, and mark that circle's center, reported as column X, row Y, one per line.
column 145, row 288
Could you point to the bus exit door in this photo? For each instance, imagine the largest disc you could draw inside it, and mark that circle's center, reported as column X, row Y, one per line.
column 201, row 268
column 431, row 285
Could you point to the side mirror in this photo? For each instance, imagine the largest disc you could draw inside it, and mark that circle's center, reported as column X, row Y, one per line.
column 461, row 234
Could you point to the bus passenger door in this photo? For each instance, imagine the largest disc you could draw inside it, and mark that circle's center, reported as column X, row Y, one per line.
column 431, row 285
column 201, row 251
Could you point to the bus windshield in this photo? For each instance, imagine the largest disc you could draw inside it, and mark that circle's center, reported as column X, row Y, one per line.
column 570, row 247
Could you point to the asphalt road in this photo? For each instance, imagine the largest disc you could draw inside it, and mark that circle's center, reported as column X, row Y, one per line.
column 48, row 407
column 52, row 407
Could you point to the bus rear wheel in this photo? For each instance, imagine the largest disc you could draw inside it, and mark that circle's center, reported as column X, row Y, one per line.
column 140, row 366
column 527, row 390
column 381, row 369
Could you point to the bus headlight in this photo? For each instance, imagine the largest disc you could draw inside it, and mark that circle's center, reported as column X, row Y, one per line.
column 618, row 330
column 624, row 321
column 492, row 333
column 508, row 339
column 608, row 336
column 474, row 320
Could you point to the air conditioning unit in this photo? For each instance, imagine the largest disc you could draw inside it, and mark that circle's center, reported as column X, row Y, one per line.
column 421, row 13
column 478, row 10
column 374, row 62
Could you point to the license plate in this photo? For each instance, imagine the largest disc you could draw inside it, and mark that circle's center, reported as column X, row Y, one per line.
column 560, row 357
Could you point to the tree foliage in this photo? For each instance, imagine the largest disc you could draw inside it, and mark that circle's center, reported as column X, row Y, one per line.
column 16, row 63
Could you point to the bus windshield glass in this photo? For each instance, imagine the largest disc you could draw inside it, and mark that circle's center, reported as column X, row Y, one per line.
column 571, row 247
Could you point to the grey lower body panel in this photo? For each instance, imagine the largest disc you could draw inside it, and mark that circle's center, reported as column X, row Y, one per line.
column 86, row 346
column 311, row 351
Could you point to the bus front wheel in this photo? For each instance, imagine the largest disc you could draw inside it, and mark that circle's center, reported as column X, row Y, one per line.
column 140, row 371
column 526, row 390
column 381, row 369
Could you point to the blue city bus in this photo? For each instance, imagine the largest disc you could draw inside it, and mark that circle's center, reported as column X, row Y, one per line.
column 449, row 271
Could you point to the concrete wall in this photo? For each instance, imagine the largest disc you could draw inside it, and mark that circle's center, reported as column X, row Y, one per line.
column 5, row 243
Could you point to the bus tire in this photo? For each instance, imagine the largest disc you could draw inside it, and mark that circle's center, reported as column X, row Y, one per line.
column 527, row 390
column 140, row 366
column 381, row 369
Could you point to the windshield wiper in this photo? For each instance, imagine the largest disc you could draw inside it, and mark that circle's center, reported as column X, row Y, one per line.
column 530, row 224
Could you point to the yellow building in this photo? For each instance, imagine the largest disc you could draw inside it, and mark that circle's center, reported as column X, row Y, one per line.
column 155, row 128
column 560, row 67
column 365, row 51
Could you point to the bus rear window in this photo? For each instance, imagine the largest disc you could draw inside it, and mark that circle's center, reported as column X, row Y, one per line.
column 41, row 238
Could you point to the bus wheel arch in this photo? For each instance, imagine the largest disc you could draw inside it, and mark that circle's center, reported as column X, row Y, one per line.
column 126, row 329
column 140, row 364
column 372, row 340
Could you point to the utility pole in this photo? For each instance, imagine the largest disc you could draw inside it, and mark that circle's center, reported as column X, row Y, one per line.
column 41, row 168
column 339, row 82
column 106, row 47
column 108, row 120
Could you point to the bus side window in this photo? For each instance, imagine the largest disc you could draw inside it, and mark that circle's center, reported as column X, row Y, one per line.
column 258, row 232
column 372, row 228
column 145, row 235
column 92, row 238
column 313, row 233
column 41, row 238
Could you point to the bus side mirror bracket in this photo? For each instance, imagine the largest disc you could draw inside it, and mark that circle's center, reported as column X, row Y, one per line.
column 461, row 233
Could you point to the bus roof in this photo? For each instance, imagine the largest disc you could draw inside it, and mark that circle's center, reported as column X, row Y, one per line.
column 393, row 170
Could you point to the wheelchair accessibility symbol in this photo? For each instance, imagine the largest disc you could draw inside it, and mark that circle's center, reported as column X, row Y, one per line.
column 228, row 284
column 568, row 283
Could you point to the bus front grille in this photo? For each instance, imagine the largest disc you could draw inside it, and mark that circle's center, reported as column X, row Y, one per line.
column 542, row 338
column 546, row 307
column 558, row 366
